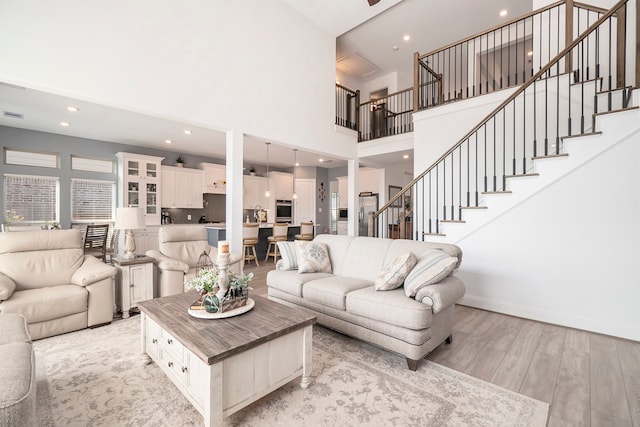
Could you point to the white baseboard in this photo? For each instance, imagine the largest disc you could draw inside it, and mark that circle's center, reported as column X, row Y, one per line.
column 555, row 318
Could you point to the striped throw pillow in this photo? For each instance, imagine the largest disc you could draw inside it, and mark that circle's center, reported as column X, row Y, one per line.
column 289, row 256
column 434, row 266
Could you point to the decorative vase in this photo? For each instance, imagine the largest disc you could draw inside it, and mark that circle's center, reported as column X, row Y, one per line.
column 179, row 165
column 211, row 303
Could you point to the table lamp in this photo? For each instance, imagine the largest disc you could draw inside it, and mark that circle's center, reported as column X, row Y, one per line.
column 129, row 219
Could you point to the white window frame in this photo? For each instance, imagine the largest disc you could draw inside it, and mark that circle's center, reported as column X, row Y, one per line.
column 112, row 210
column 31, row 158
column 8, row 203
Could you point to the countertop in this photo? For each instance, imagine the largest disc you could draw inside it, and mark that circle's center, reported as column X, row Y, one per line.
column 222, row 225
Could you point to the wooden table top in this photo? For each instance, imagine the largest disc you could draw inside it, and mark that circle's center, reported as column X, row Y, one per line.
column 215, row 339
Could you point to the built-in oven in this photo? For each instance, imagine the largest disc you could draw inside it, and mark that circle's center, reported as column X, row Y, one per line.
column 343, row 214
column 284, row 211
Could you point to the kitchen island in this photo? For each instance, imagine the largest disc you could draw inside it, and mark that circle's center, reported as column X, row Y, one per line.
column 218, row 232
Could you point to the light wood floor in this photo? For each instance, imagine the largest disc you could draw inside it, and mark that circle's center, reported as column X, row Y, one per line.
column 588, row 379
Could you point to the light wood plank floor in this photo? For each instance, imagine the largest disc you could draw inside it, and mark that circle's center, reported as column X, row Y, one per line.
column 588, row 379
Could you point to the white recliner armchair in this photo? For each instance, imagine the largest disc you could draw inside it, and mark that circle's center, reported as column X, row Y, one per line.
column 46, row 277
column 176, row 261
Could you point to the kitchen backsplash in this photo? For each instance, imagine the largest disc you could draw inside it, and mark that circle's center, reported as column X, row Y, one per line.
column 214, row 210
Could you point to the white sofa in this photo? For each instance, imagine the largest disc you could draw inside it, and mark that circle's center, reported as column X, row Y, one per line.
column 180, row 249
column 346, row 301
column 46, row 277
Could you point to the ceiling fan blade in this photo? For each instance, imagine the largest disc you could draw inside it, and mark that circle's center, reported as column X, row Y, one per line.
column 372, row 2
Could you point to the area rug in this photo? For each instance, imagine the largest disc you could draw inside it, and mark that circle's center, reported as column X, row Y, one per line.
column 96, row 378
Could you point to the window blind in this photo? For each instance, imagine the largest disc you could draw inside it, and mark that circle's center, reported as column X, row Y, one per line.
column 92, row 200
column 31, row 198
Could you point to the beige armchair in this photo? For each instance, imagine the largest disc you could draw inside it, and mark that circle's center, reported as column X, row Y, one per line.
column 176, row 261
column 46, row 277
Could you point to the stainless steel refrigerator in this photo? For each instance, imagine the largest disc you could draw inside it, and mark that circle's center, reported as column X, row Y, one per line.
column 368, row 204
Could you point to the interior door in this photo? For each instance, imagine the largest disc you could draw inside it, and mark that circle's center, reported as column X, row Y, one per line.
column 305, row 205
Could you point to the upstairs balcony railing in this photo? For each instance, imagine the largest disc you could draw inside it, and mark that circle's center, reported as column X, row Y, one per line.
column 501, row 57
column 595, row 73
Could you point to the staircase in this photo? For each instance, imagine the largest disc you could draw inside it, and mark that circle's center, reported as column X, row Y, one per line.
column 500, row 161
column 542, row 194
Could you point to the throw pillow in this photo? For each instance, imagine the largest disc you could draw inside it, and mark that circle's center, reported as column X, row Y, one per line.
column 394, row 273
column 289, row 256
column 434, row 266
column 313, row 257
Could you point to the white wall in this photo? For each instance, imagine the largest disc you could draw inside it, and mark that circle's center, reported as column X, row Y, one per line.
column 390, row 81
column 436, row 130
column 568, row 255
column 217, row 63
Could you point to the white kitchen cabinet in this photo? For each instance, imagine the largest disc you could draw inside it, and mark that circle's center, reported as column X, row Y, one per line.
column 342, row 228
column 146, row 239
column 254, row 188
column 370, row 180
column 140, row 185
column 215, row 178
column 343, row 192
column 281, row 185
column 304, row 207
column 182, row 188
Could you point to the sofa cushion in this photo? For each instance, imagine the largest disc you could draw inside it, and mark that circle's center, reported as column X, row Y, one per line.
column 7, row 286
column 391, row 307
column 365, row 257
column 312, row 257
column 291, row 282
column 36, row 269
column 16, row 371
column 431, row 268
column 332, row 291
column 393, row 274
column 337, row 247
column 40, row 305
column 13, row 328
column 289, row 255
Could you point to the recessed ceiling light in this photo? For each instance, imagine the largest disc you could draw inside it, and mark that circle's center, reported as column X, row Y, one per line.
column 395, row 47
column 530, row 53
column 406, row 156
column 503, row 12
column 406, row 38
column 73, row 109
column 187, row 131
column 297, row 163
column 321, row 160
column 64, row 124
column 168, row 141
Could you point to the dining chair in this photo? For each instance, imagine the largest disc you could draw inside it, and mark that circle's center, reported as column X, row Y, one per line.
column 95, row 240
column 279, row 235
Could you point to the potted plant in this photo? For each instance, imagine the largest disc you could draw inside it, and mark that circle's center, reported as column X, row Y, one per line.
column 207, row 284
column 252, row 171
column 180, row 161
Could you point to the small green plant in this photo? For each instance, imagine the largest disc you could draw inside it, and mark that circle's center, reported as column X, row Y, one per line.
column 180, row 159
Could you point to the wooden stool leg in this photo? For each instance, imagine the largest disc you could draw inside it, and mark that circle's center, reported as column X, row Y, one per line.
column 275, row 253
column 268, row 251
column 255, row 255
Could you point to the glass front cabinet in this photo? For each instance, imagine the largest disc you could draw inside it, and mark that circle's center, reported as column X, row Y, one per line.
column 139, row 184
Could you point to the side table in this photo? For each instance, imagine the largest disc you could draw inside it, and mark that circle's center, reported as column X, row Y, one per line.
column 135, row 276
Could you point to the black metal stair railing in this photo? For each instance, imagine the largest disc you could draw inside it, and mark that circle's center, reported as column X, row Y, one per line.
column 502, row 57
column 560, row 99
column 347, row 107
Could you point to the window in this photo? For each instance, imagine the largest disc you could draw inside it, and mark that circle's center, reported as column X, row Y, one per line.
column 91, row 165
column 29, row 158
column 31, row 198
column 92, row 200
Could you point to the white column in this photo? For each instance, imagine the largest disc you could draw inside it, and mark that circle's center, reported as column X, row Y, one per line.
column 353, row 205
column 235, row 147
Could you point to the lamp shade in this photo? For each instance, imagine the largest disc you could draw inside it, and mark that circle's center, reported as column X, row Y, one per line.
column 129, row 219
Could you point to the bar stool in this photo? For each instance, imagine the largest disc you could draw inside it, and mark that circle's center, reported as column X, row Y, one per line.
column 306, row 231
column 279, row 235
column 249, row 242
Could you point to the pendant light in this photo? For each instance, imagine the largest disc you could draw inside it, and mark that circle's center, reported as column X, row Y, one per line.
column 267, row 193
column 295, row 163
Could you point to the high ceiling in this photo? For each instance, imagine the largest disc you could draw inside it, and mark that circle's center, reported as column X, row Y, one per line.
column 430, row 24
